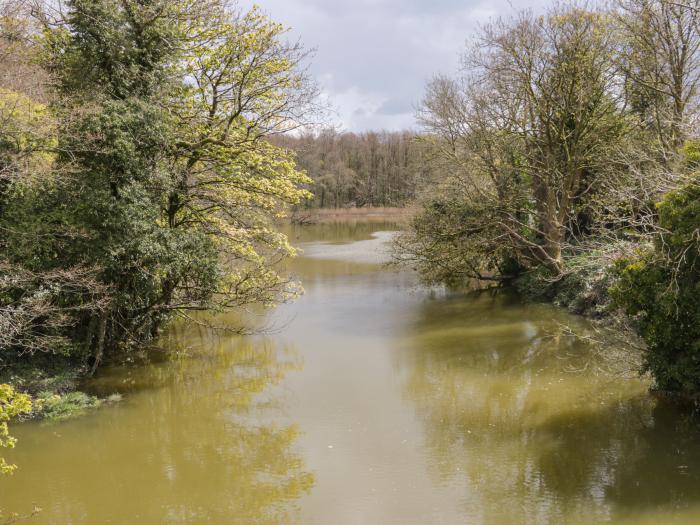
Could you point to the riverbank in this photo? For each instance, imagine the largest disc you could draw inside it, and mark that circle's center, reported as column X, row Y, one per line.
column 369, row 214
column 53, row 384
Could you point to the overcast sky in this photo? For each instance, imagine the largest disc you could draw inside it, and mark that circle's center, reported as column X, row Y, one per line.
column 373, row 57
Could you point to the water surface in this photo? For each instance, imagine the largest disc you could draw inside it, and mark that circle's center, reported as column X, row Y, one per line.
column 370, row 400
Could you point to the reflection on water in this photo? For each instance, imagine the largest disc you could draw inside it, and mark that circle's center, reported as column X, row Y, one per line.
column 515, row 415
column 375, row 250
column 337, row 232
column 198, row 440
column 380, row 401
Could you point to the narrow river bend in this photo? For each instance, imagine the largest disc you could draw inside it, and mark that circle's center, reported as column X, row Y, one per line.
column 370, row 400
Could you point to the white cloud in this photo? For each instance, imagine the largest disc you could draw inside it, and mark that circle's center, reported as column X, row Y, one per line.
column 374, row 56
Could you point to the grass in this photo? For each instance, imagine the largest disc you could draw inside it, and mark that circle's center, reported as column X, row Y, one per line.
column 49, row 405
column 367, row 213
column 52, row 382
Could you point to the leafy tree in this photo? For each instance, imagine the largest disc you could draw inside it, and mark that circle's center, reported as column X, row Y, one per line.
column 230, row 181
column 661, row 288
column 159, row 185
column 524, row 136
column 12, row 404
column 34, row 316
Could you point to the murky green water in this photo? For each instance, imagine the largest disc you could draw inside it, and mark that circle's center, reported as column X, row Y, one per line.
column 371, row 400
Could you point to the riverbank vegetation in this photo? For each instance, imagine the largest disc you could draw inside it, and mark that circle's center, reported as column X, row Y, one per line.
column 569, row 146
column 138, row 179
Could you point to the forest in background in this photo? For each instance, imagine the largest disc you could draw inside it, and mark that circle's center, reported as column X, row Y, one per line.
column 371, row 169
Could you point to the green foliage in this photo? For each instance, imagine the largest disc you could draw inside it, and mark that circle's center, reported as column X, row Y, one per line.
column 581, row 289
column 50, row 405
column 43, row 373
column 121, row 49
column 12, row 404
column 536, row 285
column 691, row 153
column 450, row 242
column 156, row 187
column 661, row 288
column 114, row 137
column 525, row 136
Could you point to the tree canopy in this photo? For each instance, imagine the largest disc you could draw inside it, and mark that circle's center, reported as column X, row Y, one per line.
column 141, row 182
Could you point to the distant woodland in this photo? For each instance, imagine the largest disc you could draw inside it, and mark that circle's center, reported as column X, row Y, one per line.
column 361, row 169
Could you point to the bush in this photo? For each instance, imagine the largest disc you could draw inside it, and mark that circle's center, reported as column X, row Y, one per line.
column 12, row 404
column 660, row 287
column 582, row 288
column 56, row 406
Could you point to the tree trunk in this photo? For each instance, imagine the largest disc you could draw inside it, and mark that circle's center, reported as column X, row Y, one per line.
column 99, row 347
column 554, row 236
column 553, row 231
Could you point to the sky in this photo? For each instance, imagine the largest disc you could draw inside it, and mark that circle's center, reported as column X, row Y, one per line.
column 374, row 57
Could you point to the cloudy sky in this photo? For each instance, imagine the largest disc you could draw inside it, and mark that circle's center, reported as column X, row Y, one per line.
column 373, row 57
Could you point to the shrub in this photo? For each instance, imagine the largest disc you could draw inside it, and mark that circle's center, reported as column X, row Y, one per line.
column 56, row 406
column 582, row 288
column 661, row 288
column 12, row 404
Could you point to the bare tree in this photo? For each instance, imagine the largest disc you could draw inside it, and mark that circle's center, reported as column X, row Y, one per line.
column 529, row 124
column 660, row 58
column 361, row 169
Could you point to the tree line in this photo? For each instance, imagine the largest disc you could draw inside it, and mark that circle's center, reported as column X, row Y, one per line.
column 361, row 169
column 569, row 157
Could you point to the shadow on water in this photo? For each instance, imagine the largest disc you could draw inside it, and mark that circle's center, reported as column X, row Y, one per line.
column 511, row 410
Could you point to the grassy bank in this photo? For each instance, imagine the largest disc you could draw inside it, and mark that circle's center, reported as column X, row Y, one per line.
column 367, row 213
column 54, row 386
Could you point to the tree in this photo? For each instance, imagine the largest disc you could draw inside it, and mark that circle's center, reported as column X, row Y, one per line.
column 34, row 315
column 660, row 59
column 660, row 287
column 361, row 169
column 526, row 132
column 658, row 56
column 160, row 185
column 230, row 181
column 12, row 404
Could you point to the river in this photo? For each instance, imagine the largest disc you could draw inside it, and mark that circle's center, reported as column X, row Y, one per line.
column 370, row 400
